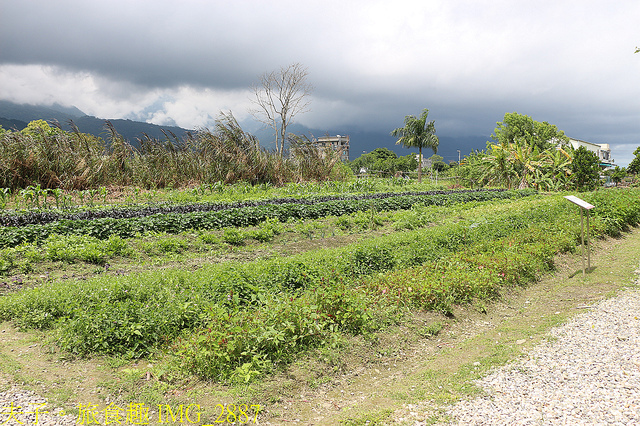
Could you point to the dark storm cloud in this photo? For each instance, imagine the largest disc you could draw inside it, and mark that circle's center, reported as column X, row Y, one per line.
column 154, row 44
column 371, row 62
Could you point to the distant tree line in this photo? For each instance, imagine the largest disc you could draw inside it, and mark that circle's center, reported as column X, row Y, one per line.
column 384, row 161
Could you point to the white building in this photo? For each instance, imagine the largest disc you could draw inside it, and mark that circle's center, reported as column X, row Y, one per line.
column 601, row 150
column 337, row 143
column 426, row 161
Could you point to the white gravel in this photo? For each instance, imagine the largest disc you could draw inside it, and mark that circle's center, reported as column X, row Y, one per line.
column 588, row 375
column 20, row 407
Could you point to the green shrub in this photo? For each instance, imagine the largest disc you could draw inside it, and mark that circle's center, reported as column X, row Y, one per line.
column 367, row 219
column 369, row 258
column 71, row 248
column 234, row 286
column 480, row 271
column 292, row 274
column 418, row 217
column 252, row 342
column 130, row 325
column 6, row 260
column 345, row 223
column 272, row 225
column 262, row 235
column 171, row 245
column 233, row 236
column 209, row 238
column 616, row 209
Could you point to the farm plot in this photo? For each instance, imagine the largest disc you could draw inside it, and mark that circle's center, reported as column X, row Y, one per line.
column 239, row 321
column 98, row 235
column 127, row 222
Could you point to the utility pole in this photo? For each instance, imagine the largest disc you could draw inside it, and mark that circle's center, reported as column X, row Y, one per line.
column 458, row 169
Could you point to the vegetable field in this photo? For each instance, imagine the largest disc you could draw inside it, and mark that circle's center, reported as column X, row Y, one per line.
column 232, row 287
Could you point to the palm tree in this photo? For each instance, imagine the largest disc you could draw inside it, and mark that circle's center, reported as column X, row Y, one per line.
column 417, row 133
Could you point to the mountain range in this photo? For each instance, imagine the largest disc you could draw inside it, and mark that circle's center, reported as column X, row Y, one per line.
column 17, row 116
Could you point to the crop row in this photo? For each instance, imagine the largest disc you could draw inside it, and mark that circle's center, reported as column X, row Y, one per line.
column 40, row 217
column 249, row 215
column 236, row 320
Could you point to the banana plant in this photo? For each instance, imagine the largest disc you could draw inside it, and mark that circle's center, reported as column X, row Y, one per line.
column 498, row 169
column 103, row 193
column 92, row 194
column 37, row 192
column 519, row 163
column 81, row 195
column 45, row 193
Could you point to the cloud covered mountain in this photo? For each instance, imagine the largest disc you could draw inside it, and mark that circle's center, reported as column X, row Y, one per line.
column 17, row 116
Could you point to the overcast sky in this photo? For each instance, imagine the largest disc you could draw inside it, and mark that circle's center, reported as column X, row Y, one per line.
column 570, row 63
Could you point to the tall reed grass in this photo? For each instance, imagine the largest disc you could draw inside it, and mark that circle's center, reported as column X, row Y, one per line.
column 53, row 158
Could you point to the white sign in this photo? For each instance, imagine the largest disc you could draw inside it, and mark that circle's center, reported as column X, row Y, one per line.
column 578, row 201
column 586, row 206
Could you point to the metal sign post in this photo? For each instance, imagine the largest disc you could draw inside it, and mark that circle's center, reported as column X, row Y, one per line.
column 583, row 206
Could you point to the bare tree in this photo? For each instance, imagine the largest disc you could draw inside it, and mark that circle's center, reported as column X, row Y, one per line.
column 280, row 96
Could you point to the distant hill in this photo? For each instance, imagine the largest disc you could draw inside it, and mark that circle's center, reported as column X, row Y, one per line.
column 129, row 129
column 12, row 124
column 17, row 116
column 27, row 112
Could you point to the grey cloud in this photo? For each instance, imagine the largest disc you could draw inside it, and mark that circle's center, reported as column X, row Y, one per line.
column 370, row 61
column 151, row 46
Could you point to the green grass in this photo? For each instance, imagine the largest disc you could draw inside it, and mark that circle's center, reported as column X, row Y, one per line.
column 377, row 417
column 238, row 321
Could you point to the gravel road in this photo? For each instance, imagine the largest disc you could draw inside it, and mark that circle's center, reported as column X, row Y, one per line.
column 20, row 407
column 587, row 374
